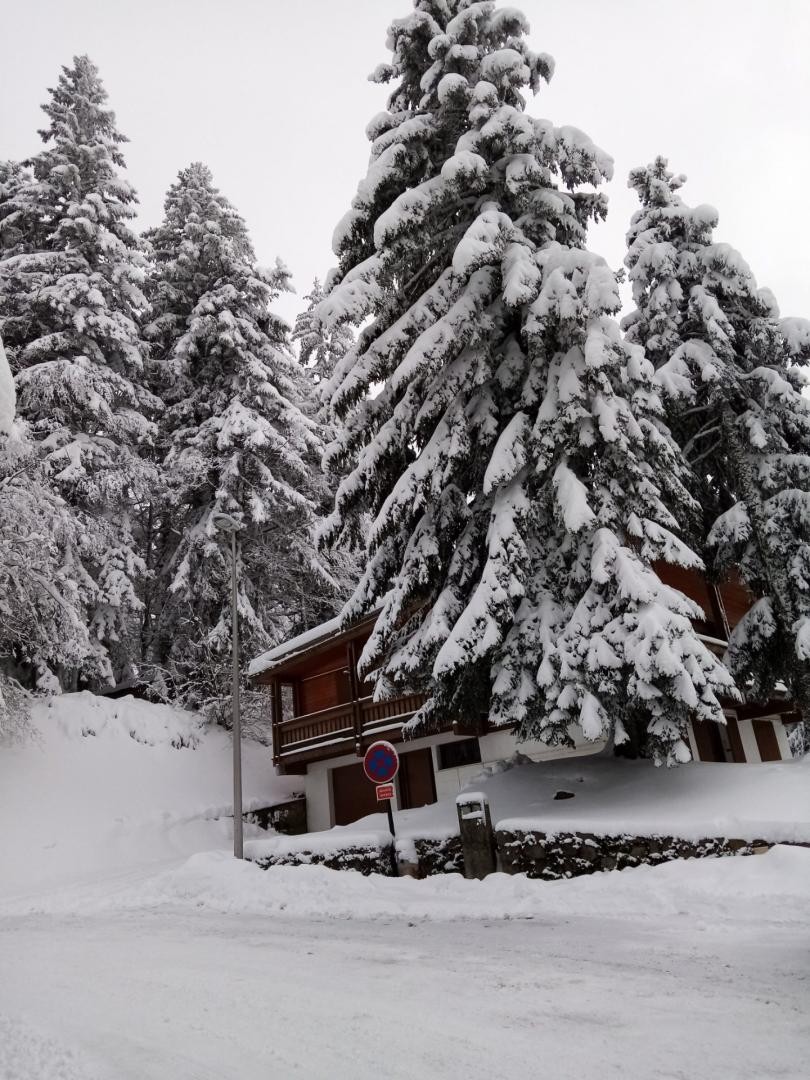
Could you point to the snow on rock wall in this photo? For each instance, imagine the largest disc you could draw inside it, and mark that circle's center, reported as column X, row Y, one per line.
column 567, row 855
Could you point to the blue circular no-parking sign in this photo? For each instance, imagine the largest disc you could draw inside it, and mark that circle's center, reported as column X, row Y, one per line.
column 381, row 762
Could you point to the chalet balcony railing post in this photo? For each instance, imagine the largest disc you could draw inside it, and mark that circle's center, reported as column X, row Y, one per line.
column 354, row 689
column 337, row 729
column 276, row 717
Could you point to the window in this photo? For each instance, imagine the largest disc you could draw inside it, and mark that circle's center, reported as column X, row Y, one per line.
column 453, row 755
column 287, row 701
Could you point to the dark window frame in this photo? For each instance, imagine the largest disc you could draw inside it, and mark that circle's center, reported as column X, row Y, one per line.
column 458, row 753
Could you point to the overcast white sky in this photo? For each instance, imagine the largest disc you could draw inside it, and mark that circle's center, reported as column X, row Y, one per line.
column 273, row 96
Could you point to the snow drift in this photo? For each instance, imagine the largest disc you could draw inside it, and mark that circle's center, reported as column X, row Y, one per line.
column 111, row 786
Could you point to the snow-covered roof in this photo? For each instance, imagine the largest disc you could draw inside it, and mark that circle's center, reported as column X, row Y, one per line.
column 295, row 645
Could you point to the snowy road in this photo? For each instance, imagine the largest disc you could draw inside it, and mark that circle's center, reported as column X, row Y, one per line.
column 134, row 947
column 169, row 996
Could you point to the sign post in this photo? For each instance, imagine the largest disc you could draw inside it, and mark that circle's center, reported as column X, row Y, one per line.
column 381, row 765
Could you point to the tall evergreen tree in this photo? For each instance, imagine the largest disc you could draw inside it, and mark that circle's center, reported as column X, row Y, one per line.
column 235, row 440
column 71, row 271
column 734, row 373
column 318, row 350
column 514, row 463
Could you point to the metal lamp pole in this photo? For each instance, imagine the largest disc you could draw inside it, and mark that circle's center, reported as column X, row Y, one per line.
column 226, row 523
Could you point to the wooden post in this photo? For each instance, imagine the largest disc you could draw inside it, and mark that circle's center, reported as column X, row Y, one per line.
column 719, row 610
column 275, row 692
column 354, row 689
column 237, row 713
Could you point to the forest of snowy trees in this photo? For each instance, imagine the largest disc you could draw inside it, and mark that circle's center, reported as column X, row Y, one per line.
column 463, row 428
column 155, row 390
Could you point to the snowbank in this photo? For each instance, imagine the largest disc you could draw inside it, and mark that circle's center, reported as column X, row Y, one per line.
column 611, row 797
column 762, row 801
column 113, row 785
column 751, row 889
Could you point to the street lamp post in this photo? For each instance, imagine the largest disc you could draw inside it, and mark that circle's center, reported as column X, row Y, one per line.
column 226, row 523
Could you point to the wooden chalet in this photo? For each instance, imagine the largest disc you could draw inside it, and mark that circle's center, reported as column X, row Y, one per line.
column 324, row 718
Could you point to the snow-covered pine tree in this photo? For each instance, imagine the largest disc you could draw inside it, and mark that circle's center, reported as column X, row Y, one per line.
column 733, row 373
column 71, row 270
column 43, row 584
column 519, row 478
column 318, row 350
column 236, row 442
column 22, row 226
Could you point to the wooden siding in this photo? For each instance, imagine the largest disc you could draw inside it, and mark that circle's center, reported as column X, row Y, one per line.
column 321, row 710
column 345, row 728
column 323, row 691
column 695, row 586
column 736, row 599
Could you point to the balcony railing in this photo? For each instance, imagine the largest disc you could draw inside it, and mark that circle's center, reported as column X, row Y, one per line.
column 340, row 729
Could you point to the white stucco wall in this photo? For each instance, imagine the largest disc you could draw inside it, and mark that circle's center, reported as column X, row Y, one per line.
column 748, row 740
column 319, row 795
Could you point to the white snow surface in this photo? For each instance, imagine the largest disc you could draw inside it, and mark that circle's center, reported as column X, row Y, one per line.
column 691, row 970
column 134, row 947
column 214, row 881
column 287, row 649
column 75, row 806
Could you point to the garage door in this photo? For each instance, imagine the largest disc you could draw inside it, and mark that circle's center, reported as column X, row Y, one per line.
column 353, row 796
column 417, row 786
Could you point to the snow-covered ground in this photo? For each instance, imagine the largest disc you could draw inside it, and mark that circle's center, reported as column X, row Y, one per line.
column 156, row 959
column 691, row 971
column 109, row 785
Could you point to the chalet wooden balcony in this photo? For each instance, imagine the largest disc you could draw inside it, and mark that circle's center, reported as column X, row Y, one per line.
column 340, row 729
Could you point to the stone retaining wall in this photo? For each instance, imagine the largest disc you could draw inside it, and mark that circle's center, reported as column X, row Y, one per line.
column 439, row 856
column 566, row 854
column 531, row 852
column 368, row 859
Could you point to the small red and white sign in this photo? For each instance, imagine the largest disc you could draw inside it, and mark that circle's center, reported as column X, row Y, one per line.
column 385, row 791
